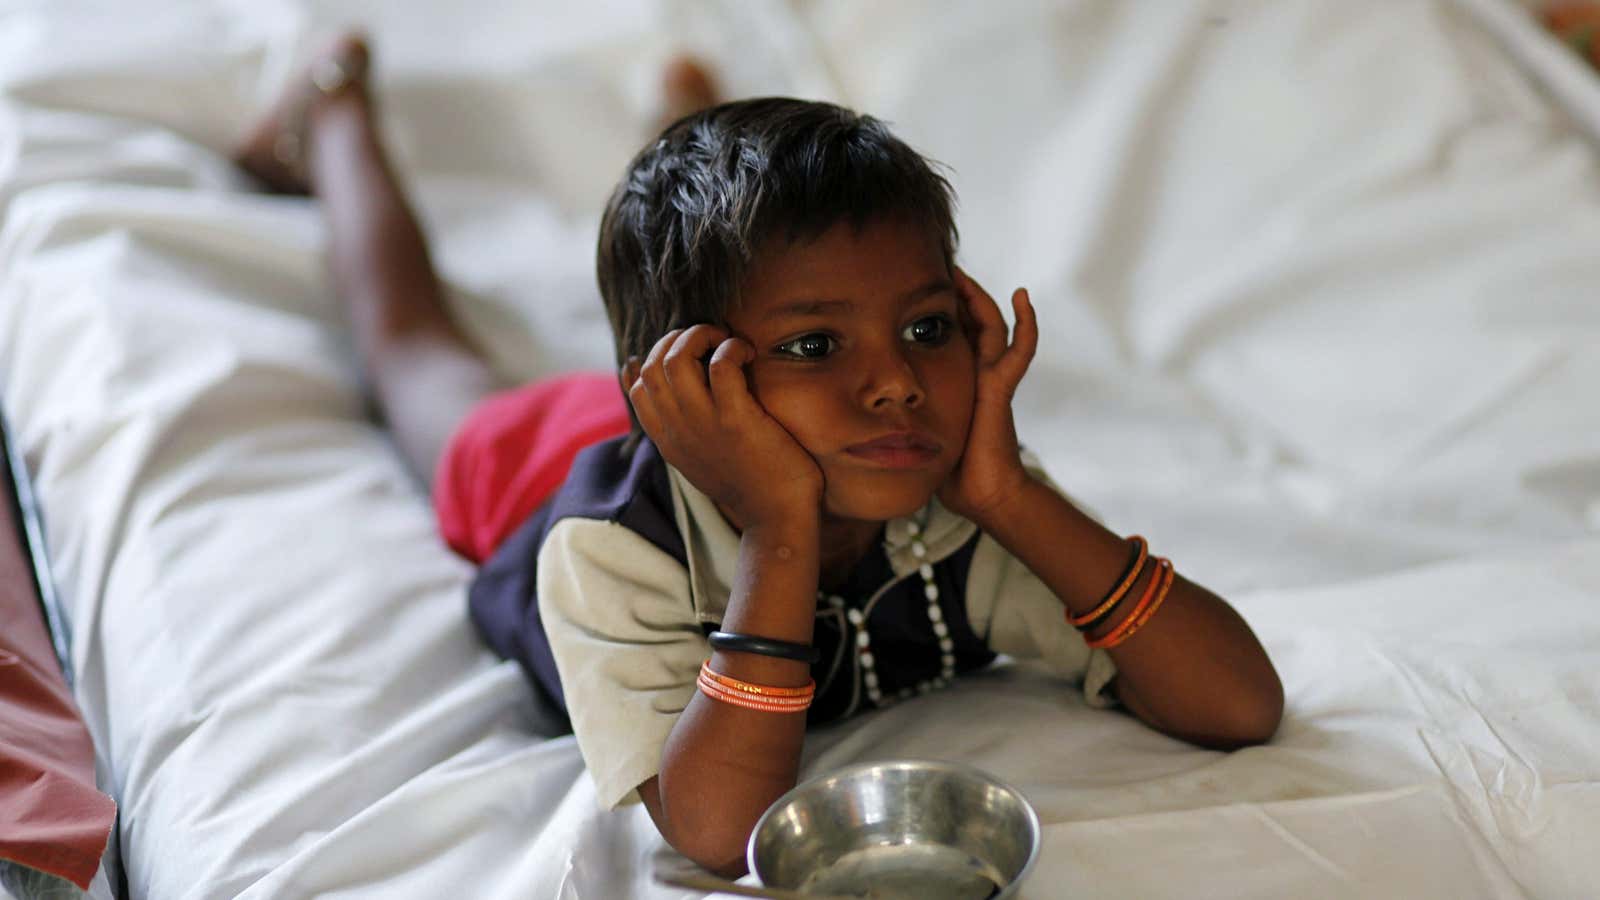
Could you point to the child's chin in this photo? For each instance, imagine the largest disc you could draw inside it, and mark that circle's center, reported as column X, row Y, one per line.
column 878, row 505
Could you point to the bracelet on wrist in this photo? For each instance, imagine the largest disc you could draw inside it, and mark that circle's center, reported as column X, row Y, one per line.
column 760, row 646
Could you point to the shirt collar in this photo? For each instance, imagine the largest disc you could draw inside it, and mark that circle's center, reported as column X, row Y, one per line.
column 712, row 545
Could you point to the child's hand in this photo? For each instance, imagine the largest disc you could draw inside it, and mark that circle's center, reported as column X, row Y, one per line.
column 990, row 472
column 707, row 424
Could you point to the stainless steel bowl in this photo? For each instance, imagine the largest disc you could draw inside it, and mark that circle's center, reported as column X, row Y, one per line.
column 911, row 828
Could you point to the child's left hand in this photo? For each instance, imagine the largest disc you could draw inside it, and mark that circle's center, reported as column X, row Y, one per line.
column 990, row 473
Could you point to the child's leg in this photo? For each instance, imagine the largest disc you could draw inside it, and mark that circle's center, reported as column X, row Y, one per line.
column 424, row 370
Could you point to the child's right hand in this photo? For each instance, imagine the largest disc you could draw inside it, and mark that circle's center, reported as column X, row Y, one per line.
column 707, row 424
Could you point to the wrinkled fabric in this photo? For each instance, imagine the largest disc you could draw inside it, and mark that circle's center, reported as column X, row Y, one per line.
column 1316, row 287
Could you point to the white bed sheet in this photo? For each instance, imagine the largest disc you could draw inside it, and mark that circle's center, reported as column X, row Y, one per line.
column 1318, row 294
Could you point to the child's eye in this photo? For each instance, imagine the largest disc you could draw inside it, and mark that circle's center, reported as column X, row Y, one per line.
column 808, row 346
column 928, row 330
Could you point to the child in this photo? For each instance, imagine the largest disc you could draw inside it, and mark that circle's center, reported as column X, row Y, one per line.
column 819, row 504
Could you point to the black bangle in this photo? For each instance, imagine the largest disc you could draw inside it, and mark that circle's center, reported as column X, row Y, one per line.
column 760, row 646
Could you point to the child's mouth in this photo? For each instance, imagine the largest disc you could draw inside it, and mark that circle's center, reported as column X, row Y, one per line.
column 899, row 450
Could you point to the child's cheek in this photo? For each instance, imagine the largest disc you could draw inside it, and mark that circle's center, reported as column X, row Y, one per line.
column 954, row 397
column 791, row 402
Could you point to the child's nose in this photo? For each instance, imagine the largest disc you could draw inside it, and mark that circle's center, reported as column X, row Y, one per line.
column 893, row 382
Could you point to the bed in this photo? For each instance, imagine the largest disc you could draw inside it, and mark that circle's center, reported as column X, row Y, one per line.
column 1318, row 290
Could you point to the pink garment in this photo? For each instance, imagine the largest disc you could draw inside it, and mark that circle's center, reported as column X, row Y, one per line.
column 514, row 450
column 51, row 816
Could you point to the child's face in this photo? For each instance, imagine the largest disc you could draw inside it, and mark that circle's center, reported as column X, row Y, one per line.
column 862, row 356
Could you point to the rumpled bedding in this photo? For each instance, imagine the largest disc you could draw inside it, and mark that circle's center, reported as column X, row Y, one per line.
column 1317, row 288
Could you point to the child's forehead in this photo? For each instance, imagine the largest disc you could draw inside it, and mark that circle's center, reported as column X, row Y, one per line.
column 846, row 262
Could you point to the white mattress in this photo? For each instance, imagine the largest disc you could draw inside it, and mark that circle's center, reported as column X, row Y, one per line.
column 1318, row 290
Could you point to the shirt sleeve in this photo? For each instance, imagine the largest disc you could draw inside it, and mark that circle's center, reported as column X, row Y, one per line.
column 622, row 627
column 1019, row 616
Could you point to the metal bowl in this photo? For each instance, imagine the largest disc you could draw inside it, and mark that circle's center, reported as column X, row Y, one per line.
column 910, row 828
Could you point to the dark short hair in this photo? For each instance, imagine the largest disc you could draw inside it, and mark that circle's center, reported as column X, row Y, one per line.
column 698, row 203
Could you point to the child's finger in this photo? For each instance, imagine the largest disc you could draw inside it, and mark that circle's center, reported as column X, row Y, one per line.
column 644, row 409
column 990, row 340
column 1024, row 340
column 730, row 391
column 650, row 371
column 653, row 380
column 685, row 359
column 686, row 370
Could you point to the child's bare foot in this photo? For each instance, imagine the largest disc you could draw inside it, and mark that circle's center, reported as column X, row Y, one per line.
column 277, row 150
column 686, row 87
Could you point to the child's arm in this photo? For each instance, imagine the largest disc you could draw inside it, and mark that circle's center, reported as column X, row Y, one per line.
column 1196, row 671
column 723, row 765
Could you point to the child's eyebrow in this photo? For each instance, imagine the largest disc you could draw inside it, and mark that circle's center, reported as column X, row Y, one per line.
column 818, row 307
column 929, row 290
column 808, row 308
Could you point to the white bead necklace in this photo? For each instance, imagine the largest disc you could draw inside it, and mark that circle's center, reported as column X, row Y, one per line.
column 865, row 662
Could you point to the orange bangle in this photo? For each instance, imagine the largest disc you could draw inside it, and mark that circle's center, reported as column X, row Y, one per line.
column 762, row 690
column 1154, row 595
column 754, row 696
column 713, row 689
column 1161, row 597
column 1145, row 596
column 749, row 701
column 1091, row 618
